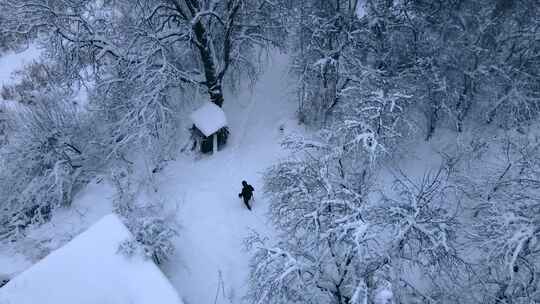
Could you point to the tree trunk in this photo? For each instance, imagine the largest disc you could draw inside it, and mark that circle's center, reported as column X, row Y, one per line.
column 215, row 143
column 432, row 117
column 213, row 83
column 464, row 103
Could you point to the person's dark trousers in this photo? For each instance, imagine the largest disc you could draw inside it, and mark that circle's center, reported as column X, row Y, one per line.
column 246, row 201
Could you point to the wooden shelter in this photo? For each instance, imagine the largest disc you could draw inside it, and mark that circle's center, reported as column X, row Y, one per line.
column 209, row 127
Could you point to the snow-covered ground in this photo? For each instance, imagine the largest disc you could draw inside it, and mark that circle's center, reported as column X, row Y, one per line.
column 214, row 220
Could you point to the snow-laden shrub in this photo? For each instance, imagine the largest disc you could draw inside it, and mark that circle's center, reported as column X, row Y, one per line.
column 317, row 212
column 155, row 234
column 340, row 238
column 503, row 192
column 32, row 80
column 153, row 227
column 48, row 157
column 129, row 248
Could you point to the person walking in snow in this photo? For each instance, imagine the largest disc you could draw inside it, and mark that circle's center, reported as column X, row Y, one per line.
column 247, row 193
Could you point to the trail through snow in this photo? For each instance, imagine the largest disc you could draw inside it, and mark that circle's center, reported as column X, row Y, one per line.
column 214, row 220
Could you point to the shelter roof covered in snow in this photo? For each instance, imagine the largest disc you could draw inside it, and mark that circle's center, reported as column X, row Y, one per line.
column 89, row 270
column 209, row 118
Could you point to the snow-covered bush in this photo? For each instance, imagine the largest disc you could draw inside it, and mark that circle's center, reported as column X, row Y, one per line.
column 48, row 157
column 341, row 238
column 32, row 82
column 415, row 227
column 129, row 248
column 153, row 227
column 315, row 209
column 503, row 191
column 155, row 234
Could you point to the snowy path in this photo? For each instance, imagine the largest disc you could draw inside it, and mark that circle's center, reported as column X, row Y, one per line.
column 214, row 220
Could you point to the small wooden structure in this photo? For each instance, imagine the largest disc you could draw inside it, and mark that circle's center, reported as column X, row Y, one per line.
column 209, row 127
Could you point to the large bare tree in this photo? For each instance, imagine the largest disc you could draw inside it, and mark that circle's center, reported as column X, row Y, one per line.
column 210, row 37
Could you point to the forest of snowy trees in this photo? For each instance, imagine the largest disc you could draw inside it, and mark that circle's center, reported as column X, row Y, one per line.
column 371, row 79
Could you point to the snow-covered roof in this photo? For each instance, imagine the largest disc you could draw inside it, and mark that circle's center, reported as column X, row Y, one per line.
column 89, row 270
column 209, row 118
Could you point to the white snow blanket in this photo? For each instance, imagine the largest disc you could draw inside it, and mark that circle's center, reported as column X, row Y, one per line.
column 209, row 118
column 89, row 270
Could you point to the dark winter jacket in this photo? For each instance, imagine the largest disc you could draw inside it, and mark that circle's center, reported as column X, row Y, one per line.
column 247, row 191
